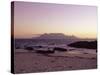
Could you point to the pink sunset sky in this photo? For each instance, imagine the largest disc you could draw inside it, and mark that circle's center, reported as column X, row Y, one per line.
column 32, row 19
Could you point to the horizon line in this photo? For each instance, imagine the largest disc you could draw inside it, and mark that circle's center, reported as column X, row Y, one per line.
column 56, row 33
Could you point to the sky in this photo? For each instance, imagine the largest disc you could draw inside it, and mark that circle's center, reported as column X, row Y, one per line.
column 32, row 19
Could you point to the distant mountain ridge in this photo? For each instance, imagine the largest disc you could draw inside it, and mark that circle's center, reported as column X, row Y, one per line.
column 55, row 36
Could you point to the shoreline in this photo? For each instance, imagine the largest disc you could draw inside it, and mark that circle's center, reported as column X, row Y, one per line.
column 26, row 62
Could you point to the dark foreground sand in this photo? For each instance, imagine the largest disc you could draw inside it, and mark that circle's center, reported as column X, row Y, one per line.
column 26, row 62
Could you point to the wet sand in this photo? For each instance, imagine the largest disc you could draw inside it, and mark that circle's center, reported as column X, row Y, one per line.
column 26, row 62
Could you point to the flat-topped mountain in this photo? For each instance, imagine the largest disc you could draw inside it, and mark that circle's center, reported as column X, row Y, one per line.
column 55, row 36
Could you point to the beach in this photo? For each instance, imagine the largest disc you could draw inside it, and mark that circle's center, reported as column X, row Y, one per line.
column 44, row 39
column 30, row 61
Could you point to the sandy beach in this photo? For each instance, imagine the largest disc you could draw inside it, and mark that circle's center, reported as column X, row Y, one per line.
column 26, row 62
column 48, row 37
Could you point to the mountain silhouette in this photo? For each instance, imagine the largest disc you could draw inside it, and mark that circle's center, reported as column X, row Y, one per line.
column 56, row 36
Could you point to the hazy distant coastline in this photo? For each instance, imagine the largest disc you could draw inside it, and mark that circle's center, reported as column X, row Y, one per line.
column 55, row 36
